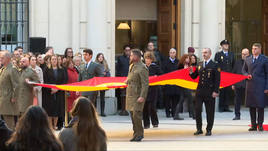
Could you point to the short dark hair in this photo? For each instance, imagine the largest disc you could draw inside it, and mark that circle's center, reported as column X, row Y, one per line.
column 125, row 46
column 136, row 52
column 17, row 48
column 89, row 51
column 48, row 48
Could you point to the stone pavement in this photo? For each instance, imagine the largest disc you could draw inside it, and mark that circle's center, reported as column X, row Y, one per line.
column 178, row 135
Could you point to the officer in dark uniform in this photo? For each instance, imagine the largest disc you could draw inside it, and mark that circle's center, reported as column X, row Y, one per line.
column 207, row 90
column 225, row 60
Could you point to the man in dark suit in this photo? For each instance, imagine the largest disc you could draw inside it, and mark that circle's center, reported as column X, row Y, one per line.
column 122, row 68
column 225, row 60
column 207, row 90
column 171, row 92
column 256, row 68
column 239, row 88
column 90, row 70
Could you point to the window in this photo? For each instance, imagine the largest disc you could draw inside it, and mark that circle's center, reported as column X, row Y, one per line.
column 14, row 24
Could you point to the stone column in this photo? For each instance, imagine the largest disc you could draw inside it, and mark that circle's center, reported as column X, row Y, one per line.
column 209, row 25
column 101, row 38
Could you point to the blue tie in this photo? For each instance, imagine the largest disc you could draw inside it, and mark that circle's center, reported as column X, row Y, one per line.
column 254, row 60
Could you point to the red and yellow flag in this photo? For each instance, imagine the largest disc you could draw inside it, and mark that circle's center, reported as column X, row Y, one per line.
column 180, row 78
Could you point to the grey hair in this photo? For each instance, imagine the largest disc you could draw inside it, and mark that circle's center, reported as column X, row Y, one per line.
column 6, row 54
column 76, row 58
column 209, row 50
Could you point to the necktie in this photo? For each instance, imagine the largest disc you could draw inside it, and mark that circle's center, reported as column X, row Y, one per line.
column 205, row 63
column 86, row 65
column 254, row 60
column 226, row 53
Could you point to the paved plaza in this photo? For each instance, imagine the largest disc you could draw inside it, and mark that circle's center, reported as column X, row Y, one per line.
column 178, row 135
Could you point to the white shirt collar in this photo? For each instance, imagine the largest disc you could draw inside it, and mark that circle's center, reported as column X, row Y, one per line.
column 87, row 65
column 172, row 59
column 206, row 61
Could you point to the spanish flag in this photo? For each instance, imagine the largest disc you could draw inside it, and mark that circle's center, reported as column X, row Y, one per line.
column 180, row 78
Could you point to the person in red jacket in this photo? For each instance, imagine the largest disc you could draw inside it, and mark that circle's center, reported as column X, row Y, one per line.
column 72, row 77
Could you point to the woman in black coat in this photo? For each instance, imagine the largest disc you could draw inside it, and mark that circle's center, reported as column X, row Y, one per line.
column 184, row 63
column 149, row 110
column 52, row 98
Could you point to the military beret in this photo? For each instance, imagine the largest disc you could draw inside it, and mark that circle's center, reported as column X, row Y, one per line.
column 191, row 49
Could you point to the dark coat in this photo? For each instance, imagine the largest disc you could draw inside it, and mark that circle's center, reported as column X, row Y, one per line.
column 255, row 96
column 226, row 63
column 238, row 70
column 93, row 70
column 154, row 69
column 5, row 134
column 169, row 66
column 122, row 66
column 209, row 79
column 54, row 103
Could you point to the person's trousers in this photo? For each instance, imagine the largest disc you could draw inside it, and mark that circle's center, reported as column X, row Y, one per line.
column 185, row 94
column 224, row 98
column 253, row 116
column 123, row 99
column 210, row 111
column 136, row 118
column 170, row 104
column 102, row 101
column 150, row 112
column 10, row 121
column 239, row 96
column 92, row 96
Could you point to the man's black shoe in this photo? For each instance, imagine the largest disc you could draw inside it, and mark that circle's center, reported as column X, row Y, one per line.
column 260, row 128
column 227, row 110
column 146, row 127
column 236, row 118
column 155, row 126
column 198, row 132
column 252, row 129
column 137, row 139
column 208, row 133
column 132, row 139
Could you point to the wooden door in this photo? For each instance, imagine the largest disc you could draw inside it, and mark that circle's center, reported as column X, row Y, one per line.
column 265, row 26
column 166, row 25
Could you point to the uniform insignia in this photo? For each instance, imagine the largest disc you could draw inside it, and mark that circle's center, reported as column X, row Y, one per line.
column 208, row 74
column 199, row 67
column 219, row 69
column 221, row 57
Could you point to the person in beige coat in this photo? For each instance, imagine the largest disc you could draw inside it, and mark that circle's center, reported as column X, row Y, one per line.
column 39, row 71
column 26, row 95
column 138, row 83
column 8, row 84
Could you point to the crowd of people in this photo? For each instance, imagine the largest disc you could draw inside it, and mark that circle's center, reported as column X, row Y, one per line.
column 141, row 101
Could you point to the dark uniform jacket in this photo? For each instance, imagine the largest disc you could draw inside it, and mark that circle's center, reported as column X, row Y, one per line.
column 226, row 63
column 122, row 66
column 238, row 70
column 138, row 83
column 170, row 66
column 255, row 96
column 209, row 79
